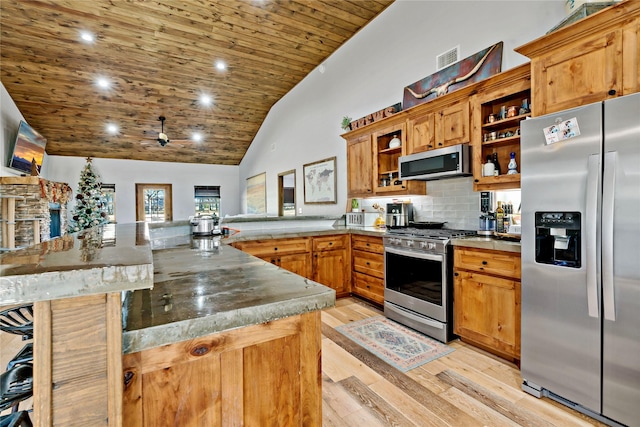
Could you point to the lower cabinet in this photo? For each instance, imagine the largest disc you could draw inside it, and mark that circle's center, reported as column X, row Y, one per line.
column 368, row 267
column 487, row 300
column 292, row 254
column 260, row 375
column 331, row 264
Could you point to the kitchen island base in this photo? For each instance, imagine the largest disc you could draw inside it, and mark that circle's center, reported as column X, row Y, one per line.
column 266, row 374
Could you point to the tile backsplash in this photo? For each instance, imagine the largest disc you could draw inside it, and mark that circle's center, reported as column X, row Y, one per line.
column 451, row 200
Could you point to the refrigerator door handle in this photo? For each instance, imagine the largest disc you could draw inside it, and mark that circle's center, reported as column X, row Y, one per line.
column 590, row 233
column 608, row 192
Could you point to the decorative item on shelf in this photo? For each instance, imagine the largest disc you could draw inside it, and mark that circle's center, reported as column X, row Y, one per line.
column 395, row 142
column 374, row 117
column 355, row 205
column 470, row 70
column 503, row 112
column 488, row 168
column 346, row 123
column 524, row 107
column 496, row 165
column 512, row 111
column 491, row 118
column 513, row 166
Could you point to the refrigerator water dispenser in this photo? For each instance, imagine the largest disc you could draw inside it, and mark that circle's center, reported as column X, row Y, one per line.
column 558, row 236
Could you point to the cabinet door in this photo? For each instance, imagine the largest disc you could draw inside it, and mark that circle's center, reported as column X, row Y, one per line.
column 452, row 125
column 360, row 167
column 587, row 71
column 296, row 263
column 487, row 311
column 331, row 268
column 421, row 133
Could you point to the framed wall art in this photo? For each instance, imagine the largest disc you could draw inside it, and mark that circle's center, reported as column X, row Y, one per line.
column 320, row 182
column 257, row 194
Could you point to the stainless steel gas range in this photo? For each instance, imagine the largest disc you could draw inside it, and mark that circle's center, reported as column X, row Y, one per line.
column 418, row 279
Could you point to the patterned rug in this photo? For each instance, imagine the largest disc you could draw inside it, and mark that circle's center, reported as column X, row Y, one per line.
column 399, row 346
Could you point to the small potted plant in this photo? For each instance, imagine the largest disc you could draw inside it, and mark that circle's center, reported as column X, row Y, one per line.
column 355, row 205
column 346, row 123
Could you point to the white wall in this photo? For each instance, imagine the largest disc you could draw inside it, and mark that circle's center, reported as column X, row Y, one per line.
column 126, row 173
column 10, row 118
column 369, row 73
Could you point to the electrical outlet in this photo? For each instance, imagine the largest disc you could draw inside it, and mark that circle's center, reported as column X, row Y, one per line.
column 299, row 210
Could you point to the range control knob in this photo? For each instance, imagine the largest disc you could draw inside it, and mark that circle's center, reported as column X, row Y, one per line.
column 410, row 243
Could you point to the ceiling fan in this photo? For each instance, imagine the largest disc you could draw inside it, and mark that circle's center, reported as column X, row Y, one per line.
column 162, row 137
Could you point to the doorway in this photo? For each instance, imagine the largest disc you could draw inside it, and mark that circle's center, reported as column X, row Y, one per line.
column 154, row 202
column 287, row 193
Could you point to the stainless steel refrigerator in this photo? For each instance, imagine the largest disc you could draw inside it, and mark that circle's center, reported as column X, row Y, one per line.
column 581, row 258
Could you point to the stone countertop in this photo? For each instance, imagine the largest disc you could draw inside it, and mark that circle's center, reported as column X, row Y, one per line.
column 106, row 259
column 285, row 233
column 487, row 242
column 203, row 286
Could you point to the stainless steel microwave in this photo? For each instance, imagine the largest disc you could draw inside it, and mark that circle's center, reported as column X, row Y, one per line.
column 447, row 162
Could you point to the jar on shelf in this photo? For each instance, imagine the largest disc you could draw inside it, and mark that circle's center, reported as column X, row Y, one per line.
column 395, row 142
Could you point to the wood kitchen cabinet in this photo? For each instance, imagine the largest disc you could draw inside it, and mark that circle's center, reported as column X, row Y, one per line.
column 487, row 300
column 331, row 263
column 439, row 128
column 260, row 375
column 360, row 166
column 368, row 267
column 292, row 254
column 508, row 89
column 591, row 60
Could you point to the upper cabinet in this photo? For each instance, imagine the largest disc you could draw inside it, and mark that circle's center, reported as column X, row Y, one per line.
column 372, row 160
column 496, row 111
column 438, row 127
column 591, row 60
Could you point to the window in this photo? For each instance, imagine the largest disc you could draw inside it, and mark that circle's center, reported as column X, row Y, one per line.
column 109, row 198
column 207, row 200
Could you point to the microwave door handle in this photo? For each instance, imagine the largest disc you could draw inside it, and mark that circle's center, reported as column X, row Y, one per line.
column 591, row 222
column 608, row 200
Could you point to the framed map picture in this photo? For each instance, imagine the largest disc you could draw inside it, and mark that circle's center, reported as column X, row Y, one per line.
column 320, row 181
column 257, row 194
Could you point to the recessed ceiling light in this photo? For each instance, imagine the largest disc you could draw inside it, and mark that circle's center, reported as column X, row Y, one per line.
column 205, row 100
column 220, row 65
column 197, row 137
column 103, row 82
column 112, row 129
column 87, row 37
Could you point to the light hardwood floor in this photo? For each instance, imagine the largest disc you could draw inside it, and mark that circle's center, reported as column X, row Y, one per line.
column 467, row 387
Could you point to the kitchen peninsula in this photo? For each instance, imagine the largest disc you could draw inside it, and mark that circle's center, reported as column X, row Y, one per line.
column 208, row 345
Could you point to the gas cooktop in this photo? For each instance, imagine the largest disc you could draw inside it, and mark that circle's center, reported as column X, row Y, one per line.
column 436, row 234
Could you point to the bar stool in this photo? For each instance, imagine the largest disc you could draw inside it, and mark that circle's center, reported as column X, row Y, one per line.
column 19, row 321
column 17, row 419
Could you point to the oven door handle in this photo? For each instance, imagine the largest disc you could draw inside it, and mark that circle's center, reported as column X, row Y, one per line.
column 421, row 255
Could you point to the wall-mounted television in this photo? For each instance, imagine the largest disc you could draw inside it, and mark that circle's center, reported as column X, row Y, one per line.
column 28, row 147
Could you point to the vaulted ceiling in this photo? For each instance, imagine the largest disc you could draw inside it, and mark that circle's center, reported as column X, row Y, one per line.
column 159, row 58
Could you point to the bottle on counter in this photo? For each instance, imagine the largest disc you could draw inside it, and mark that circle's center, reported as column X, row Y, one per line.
column 500, row 218
column 496, row 165
column 513, row 166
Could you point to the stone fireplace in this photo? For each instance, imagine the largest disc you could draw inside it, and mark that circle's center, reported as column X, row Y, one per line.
column 28, row 205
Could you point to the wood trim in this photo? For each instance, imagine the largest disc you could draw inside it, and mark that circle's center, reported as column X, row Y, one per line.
column 232, row 380
column 42, row 377
column 281, row 192
column 168, row 200
column 114, row 359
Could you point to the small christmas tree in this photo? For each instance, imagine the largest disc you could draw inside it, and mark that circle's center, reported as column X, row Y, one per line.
column 89, row 210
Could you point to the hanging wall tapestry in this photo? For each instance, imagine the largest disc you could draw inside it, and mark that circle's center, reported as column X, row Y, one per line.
column 470, row 70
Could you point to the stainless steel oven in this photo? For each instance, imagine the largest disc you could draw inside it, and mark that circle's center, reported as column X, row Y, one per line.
column 418, row 281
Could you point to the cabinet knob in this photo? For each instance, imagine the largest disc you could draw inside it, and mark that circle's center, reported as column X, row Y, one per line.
column 367, row 263
column 275, row 249
column 330, row 243
column 612, row 92
column 440, row 144
column 273, row 261
column 456, row 274
column 484, row 262
column 476, row 180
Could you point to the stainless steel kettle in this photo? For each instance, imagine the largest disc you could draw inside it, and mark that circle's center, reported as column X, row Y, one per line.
column 204, row 225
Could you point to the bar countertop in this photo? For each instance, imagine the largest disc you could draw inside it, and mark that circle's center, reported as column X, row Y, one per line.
column 203, row 286
column 107, row 259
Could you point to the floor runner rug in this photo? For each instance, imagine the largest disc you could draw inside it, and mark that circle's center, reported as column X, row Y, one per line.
column 399, row 346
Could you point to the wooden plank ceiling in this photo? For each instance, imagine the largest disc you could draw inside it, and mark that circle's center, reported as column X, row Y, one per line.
column 159, row 57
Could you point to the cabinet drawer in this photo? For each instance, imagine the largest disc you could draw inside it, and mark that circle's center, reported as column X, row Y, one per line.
column 330, row 243
column 262, row 248
column 506, row 264
column 367, row 243
column 368, row 263
column 368, row 287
